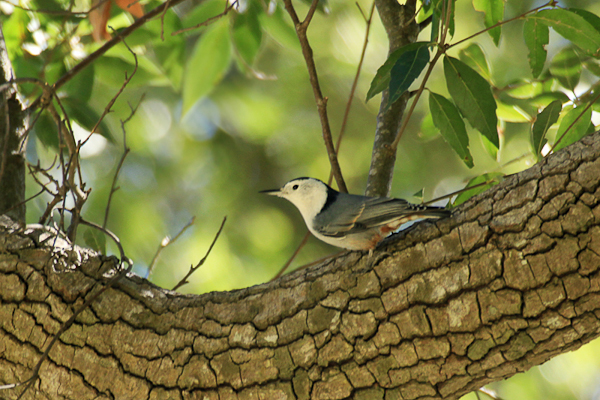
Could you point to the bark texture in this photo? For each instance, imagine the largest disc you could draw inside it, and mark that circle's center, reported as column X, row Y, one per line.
column 510, row 280
column 13, row 123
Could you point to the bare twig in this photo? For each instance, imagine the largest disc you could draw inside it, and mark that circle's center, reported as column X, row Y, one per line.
column 368, row 20
column 289, row 261
column 551, row 3
column 450, row 195
column 193, row 269
column 112, row 101
column 162, row 21
column 166, row 242
column 301, row 32
column 354, row 83
column 126, row 150
column 228, row 7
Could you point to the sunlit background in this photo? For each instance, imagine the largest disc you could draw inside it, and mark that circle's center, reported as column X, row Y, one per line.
column 257, row 129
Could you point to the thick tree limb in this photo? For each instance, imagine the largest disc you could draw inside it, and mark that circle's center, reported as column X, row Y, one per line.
column 510, row 280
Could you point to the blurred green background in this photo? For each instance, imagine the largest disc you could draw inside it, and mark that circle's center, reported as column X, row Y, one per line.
column 257, row 128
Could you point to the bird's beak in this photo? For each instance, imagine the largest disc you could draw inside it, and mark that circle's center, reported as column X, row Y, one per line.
column 272, row 192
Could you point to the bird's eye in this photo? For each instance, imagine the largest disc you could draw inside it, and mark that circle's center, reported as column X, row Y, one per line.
column 294, row 187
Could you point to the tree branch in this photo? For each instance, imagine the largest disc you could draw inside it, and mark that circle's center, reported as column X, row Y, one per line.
column 507, row 282
column 301, row 31
column 401, row 28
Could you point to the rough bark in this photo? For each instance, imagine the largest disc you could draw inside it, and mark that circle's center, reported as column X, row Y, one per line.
column 510, row 280
column 12, row 160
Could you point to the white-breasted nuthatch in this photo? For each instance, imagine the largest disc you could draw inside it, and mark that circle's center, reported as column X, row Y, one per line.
column 350, row 221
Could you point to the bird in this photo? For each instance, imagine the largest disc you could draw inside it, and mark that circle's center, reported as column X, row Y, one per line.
column 350, row 221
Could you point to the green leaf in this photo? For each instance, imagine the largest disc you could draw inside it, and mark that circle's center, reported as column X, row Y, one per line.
column 207, row 65
column 171, row 56
column 202, row 12
column 536, row 35
column 494, row 13
column 572, row 27
column 592, row 65
column 86, row 116
column 448, row 120
column 512, row 113
column 544, row 121
column 95, row 239
column 45, row 130
column 475, row 58
column 546, row 98
column 439, row 15
column 419, row 195
column 277, row 26
column 80, row 86
column 489, row 147
column 382, row 78
column 113, row 70
column 428, row 130
column 473, row 96
column 408, row 68
column 592, row 18
column 566, row 67
column 247, row 33
column 492, row 178
column 572, row 127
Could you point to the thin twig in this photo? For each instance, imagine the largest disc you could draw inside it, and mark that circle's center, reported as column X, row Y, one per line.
column 447, row 196
column 166, row 242
column 354, row 83
column 551, row 3
column 228, row 7
column 110, row 44
column 289, row 261
column 447, row 12
column 23, row 202
column 201, row 262
column 442, row 48
column 574, row 122
column 126, row 150
column 162, row 21
column 301, row 29
column 342, row 129
column 112, row 101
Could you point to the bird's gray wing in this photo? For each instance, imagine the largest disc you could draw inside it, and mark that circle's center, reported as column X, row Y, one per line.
column 360, row 213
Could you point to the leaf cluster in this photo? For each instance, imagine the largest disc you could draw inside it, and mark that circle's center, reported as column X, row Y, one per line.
column 548, row 99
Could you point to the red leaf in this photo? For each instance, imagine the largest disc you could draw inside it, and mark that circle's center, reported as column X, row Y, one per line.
column 131, row 6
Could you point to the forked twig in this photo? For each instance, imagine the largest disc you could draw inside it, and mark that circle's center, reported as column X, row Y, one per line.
column 368, row 20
